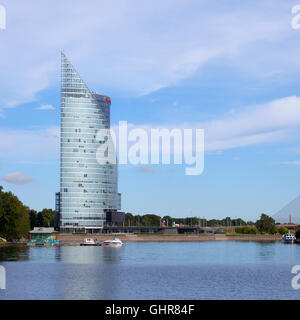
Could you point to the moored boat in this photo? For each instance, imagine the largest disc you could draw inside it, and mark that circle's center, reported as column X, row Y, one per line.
column 89, row 242
column 289, row 238
column 116, row 242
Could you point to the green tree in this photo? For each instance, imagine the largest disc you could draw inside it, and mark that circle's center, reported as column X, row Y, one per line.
column 227, row 222
column 151, row 220
column 129, row 219
column 168, row 220
column 266, row 224
column 33, row 216
column 213, row 223
column 14, row 217
column 46, row 218
column 283, row 230
column 238, row 222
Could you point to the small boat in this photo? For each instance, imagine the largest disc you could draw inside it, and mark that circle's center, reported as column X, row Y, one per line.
column 116, row 242
column 89, row 242
column 289, row 238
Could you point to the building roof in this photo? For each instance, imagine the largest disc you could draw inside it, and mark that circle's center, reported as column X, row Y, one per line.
column 42, row 230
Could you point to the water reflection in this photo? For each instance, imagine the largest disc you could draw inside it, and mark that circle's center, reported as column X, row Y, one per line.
column 265, row 251
column 277, row 252
column 44, row 254
column 89, row 272
column 89, row 255
column 14, row 253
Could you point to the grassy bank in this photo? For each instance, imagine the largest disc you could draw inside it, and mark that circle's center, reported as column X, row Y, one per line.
column 252, row 235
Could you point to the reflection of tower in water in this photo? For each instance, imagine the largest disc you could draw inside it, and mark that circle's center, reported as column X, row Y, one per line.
column 89, row 272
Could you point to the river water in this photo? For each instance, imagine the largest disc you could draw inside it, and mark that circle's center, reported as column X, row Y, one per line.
column 152, row 270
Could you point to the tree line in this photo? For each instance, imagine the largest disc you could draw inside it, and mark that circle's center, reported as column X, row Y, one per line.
column 153, row 220
column 45, row 218
column 265, row 224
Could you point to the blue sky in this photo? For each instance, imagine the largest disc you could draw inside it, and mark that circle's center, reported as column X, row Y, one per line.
column 229, row 67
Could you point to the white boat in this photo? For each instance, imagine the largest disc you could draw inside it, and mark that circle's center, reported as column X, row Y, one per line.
column 116, row 242
column 88, row 242
column 289, row 238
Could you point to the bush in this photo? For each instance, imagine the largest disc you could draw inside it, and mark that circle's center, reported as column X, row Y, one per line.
column 246, row 230
column 283, row 230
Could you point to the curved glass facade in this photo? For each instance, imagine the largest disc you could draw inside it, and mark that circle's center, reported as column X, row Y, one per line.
column 88, row 188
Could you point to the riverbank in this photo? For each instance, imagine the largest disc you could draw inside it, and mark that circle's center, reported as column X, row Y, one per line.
column 70, row 239
column 66, row 239
column 12, row 244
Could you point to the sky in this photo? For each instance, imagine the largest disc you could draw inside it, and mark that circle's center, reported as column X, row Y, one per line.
column 229, row 67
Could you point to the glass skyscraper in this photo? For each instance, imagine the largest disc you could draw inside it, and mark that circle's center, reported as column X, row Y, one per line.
column 88, row 174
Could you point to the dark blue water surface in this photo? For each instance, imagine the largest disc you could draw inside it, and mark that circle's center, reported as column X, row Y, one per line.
column 156, row 270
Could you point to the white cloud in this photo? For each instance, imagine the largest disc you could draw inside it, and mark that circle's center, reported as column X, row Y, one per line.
column 294, row 163
column 45, row 107
column 17, row 178
column 268, row 122
column 271, row 122
column 139, row 47
column 29, row 145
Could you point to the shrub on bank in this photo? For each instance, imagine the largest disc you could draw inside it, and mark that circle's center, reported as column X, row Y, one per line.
column 283, row 230
column 246, row 230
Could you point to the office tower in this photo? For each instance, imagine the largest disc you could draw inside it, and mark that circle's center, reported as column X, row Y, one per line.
column 88, row 173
